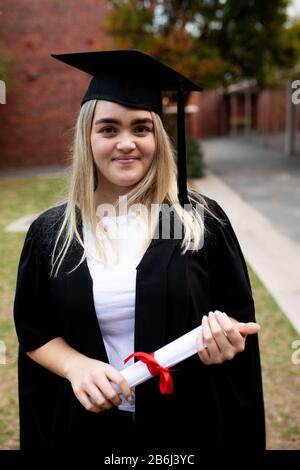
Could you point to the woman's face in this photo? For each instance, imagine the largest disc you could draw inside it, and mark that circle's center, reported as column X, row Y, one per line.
column 123, row 145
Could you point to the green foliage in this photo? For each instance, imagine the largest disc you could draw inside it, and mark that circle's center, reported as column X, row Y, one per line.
column 214, row 42
column 194, row 157
column 291, row 39
column 129, row 23
column 251, row 37
column 194, row 153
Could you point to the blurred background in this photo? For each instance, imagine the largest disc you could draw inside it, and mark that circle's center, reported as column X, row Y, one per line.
column 243, row 148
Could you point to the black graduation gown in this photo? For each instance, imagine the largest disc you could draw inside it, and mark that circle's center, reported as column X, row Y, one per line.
column 212, row 407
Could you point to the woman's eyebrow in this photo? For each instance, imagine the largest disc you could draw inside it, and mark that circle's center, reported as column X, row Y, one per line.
column 117, row 121
column 142, row 121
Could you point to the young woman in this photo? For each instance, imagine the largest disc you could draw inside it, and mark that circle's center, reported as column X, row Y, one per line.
column 98, row 281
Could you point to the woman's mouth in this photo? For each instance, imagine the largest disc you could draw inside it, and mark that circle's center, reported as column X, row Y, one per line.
column 125, row 161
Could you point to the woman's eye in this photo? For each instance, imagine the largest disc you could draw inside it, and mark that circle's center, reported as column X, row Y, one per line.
column 112, row 130
column 107, row 130
column 142, row 129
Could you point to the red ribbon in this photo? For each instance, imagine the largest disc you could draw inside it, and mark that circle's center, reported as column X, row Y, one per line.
column 165, row 379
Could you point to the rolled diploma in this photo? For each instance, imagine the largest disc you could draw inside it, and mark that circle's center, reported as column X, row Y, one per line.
column 167, row 356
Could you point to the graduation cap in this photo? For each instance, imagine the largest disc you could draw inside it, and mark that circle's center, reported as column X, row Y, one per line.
column 136, row 80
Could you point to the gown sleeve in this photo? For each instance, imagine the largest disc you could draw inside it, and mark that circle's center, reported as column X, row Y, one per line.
column 230, row 290
column 239, row 380
column 35, row 323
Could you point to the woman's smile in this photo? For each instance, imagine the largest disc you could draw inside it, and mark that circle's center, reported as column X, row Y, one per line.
column 125, row 160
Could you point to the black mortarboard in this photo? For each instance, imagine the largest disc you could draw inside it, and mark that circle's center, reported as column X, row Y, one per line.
column 135, row 79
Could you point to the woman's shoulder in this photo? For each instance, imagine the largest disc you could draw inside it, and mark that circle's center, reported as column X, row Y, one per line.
column 213, row 212
column 43, row 231
column 41, row 235
column 220, row 235
column 48, row 221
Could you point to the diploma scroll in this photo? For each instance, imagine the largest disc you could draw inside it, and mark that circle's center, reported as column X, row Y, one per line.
column 167, row 356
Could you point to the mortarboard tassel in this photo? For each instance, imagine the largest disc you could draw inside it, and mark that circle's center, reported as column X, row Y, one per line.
column 181, row 146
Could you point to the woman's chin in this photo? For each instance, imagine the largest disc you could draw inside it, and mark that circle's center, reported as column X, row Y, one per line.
column 126, row 183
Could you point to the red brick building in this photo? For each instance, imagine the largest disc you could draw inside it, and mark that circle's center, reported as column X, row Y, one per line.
column 240, row 109
column 42, row 95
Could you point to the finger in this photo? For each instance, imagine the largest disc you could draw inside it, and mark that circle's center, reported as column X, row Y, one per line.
column 231, row 330
column 108, row 392
column 218, row 333
column 86, row 402
column 97, row 397
column 115, row 376
column 212, row 347
column 249, row 328
column 202, row 349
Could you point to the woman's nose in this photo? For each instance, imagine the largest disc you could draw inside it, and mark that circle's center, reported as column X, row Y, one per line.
column 126, row 143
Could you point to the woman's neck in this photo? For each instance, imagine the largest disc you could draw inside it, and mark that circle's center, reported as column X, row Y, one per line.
column 109, row 198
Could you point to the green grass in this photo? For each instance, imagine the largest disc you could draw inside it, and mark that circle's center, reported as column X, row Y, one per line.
column 18, row 197
column 21, row 196
column 281, row 378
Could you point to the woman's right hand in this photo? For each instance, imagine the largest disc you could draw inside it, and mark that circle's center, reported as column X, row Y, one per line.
column 91, row 383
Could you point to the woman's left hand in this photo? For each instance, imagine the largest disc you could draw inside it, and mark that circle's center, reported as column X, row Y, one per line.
column 222, row 337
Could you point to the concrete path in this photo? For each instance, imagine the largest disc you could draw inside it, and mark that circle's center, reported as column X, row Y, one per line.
column 54, row 171
column 246, row 191
column 265, row 178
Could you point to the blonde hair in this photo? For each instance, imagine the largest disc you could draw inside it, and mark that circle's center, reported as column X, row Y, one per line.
column 159, row 183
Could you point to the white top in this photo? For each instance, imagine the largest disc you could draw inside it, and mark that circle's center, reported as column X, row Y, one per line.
column 114, row 286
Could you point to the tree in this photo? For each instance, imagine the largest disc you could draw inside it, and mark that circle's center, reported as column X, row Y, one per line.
column 215, row 42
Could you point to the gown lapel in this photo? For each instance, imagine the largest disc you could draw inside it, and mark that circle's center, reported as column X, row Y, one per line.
column 151, row 296
column 150, row 302
column 151, row 286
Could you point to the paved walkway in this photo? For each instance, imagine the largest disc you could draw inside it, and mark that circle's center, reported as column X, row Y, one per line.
column 260, row 191
column 265, row 178
column 47, row 171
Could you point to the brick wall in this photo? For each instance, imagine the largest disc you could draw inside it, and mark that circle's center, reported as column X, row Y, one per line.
column 271, row 110
column 215, row 116
column 206, row 121
column 43, row 95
